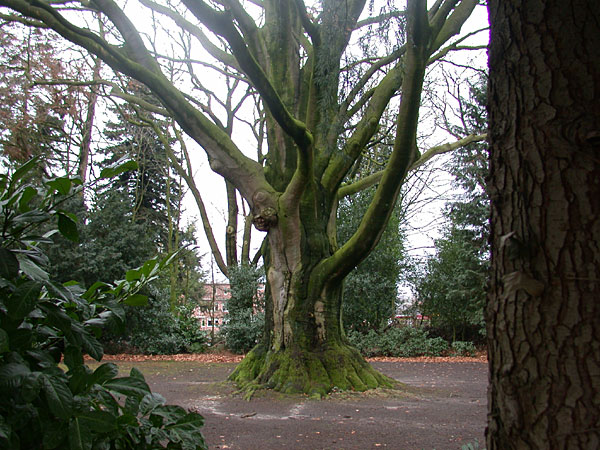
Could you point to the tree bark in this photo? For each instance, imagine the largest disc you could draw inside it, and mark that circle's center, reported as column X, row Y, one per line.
column 543, row 312
column 304, row 348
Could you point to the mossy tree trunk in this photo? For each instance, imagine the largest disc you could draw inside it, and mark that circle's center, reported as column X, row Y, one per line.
column 317, row 128
column 304, row 349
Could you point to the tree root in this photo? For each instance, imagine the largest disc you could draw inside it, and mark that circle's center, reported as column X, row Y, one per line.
column 315, row 373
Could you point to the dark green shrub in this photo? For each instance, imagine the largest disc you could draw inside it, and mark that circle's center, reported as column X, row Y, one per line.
column 156, row 330
column 398, row 342
column 462, row 348
column 436, row 346
column 193, row 338
column 244, row 323
column 45, row 404
column 242, row 332
column 367, row 344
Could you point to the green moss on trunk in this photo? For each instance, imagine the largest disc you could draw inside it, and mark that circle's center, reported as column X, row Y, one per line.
column 315, row 373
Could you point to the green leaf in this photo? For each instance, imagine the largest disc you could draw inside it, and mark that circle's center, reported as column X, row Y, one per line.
column 43, row 358
column 133, row 274
column 171, row 413
column 80, row 437
column 109, row 403
column 91, row 345
column 56, row 435
column 151, row 401
column 132, row 405
column 117, row 168
column 105, row 372
column 150, row 267
column 79, row 378
column 60, row 291
column 12, row 374
column 97, row 286
column 33, row 240
column 167, row 261
column 67, row 227
column 20, row 339
column 99, row 421
column 28, row 193
column 128, row 386
column 58, row 396
column 34, row 216
column 3, row 183
column 136, row 300
column 135, row 373
column 30, row 387
column 56, row 316
column 5, row 429
column 61, row 185
column 31, row 269
column 3, row 341
column 73, row 356
column 23, row 300
column 9, row 264
column 22, row 171
column 188, row 430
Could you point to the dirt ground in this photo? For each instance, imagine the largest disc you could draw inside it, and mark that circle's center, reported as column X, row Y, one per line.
column 442, row 407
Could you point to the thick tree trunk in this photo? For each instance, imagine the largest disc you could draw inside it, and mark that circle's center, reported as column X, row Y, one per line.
column 544, row 303
column 304, row 349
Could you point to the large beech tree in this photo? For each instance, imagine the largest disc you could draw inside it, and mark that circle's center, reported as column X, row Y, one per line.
column 294, row 58
column 543, row 309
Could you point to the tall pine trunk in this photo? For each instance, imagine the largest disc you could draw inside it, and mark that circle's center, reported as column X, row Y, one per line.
column 544, row 303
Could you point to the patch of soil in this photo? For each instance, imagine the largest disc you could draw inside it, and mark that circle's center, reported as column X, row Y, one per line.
column 442, row 407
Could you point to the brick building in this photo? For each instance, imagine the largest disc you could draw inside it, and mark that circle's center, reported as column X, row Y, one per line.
column 213, row 305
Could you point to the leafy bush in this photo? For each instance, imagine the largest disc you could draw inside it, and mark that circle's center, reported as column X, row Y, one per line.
column 244, row 325
column 193, row 338
column 242, row 332
column 435, row 346
column 462, row 348
column 155, row 329
column 398, row 342
column 44, row 404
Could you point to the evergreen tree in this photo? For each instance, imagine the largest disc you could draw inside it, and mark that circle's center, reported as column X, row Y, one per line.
column 153, row 192
column 244, row 322
column 451, row 289
column 371, row 290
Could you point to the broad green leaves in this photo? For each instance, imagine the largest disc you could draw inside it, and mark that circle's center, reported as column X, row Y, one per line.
column 58, row 396
column 67, row 225
column 43, row 322
column 9, row 264
column 122, row 165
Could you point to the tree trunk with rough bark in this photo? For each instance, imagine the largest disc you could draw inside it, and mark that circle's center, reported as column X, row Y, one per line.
column 543, row 308
column 304, row 348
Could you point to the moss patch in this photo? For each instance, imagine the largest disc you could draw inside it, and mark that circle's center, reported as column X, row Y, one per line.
column 292, row 371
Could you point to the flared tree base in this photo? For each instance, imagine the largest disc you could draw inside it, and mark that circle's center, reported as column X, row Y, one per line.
column 315, row 373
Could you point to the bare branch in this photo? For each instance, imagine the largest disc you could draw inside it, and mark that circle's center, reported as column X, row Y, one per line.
column 380, row 18
column 311, row 29
column 455, row 46
column 221, row 24
column 194, row 30
column 373, row 179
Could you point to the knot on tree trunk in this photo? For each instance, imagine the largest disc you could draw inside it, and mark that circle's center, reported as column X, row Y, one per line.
column 265, row 219
column 264, row 212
